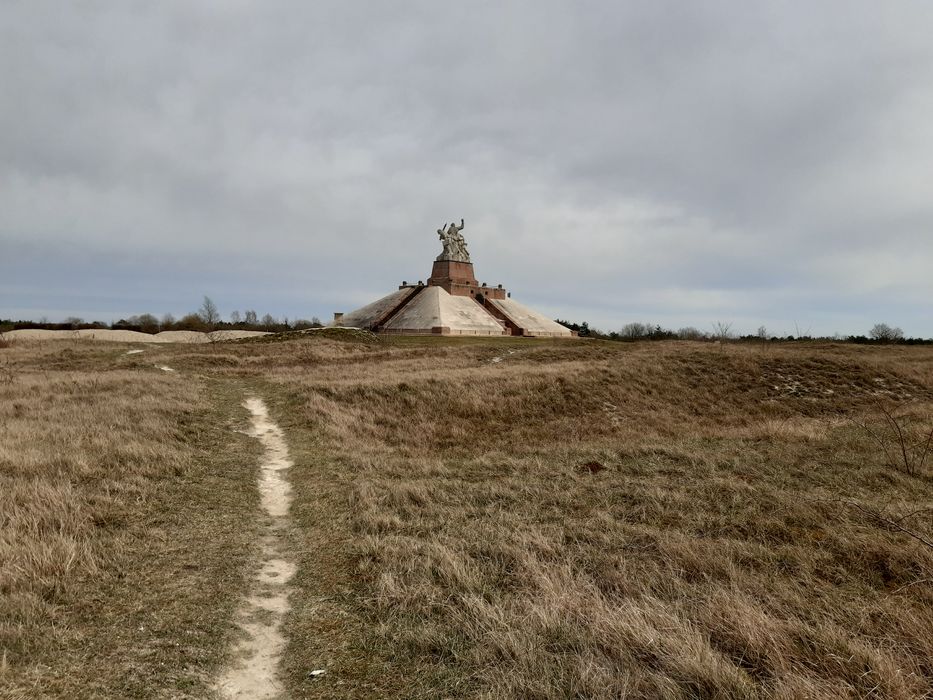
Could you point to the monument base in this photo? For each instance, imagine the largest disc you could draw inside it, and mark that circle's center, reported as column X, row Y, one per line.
column 457, row 278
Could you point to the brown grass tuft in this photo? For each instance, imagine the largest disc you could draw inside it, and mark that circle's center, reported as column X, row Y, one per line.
column 591, row 467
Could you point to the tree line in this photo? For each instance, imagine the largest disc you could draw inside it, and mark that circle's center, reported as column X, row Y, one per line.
column 880, row 333
column 206, row 319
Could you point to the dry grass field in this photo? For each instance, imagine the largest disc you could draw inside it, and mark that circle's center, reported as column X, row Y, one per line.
column 477, row 518
column 126, row 505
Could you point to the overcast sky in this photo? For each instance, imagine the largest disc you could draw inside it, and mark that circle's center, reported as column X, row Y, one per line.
column 759, row 163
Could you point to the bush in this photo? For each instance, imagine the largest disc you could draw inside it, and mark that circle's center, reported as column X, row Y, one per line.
column 302, row 323
column 147, row 323
column 691, row 333
column 191, row 322
column 125, row 324
column 884, row 333
column 634, row 331
column 582, row 329
column 905, row 442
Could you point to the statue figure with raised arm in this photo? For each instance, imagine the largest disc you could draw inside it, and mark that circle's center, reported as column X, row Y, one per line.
column 455, row 247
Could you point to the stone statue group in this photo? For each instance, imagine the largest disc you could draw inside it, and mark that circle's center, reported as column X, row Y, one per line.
column 455, row 247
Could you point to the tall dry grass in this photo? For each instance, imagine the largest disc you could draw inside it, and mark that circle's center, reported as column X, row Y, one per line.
column 121, row 539
column 594, row 520
column 494, row 518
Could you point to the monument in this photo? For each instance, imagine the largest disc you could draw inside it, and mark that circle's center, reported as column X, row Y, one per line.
column 453, row 270
column 452, row 302
column 455, row 247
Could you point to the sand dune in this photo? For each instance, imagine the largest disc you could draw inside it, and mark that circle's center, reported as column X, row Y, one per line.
column 123, row 336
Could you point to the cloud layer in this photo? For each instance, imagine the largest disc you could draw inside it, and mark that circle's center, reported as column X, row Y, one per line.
column 758, row 163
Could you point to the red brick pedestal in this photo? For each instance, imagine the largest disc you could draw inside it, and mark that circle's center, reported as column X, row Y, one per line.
column 457, row 278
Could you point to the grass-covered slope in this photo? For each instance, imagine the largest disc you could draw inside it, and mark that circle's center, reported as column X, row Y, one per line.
column 495, row 518
column 552, row 520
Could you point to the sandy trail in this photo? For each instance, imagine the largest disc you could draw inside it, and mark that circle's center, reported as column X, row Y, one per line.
column 254, row 673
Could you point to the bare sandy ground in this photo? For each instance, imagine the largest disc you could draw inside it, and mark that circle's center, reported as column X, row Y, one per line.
column 129, row 336
column 254, row 672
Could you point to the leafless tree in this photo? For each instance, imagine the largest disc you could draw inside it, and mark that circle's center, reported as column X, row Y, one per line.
column 722, row 330
column 634, row 331
column 885, row 333
column 690, row 333
column 147, row 323
column 209, row 313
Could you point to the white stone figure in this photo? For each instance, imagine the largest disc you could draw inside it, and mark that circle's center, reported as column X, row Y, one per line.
column 455, row 247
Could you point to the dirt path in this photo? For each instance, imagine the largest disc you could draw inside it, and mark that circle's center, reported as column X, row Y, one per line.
column 254, row 672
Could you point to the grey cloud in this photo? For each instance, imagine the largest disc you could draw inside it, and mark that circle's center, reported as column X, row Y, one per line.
column 614, row 161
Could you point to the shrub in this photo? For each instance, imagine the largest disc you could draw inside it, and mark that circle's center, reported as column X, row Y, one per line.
column 906, row 445
column 191, row 322
column 884, row 333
